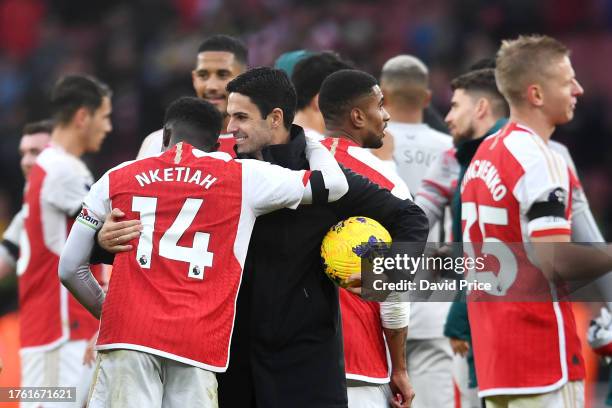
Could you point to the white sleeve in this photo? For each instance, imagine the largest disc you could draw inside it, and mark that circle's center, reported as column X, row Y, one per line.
column 14, row 230
column 543, row 189
column 98, row 200
column 394, row 313
column 151, row 145
column 579, row 200
column 9, row 248
column 438, row 186
column 73, row 268
column 64, row 189
column 319, row 158
column 267, row 187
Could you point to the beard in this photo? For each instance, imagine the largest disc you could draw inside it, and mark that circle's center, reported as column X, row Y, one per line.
column 467, row 134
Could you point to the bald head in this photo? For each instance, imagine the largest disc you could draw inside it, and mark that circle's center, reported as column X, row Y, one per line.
column 405, row 82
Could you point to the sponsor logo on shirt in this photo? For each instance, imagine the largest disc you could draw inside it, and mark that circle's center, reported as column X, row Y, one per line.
column 557, row 196
column 86, row 218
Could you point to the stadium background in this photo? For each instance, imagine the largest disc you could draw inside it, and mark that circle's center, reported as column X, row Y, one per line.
column 145, row 50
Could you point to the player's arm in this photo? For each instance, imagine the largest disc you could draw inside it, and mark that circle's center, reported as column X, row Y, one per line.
column 405, row 221
column 323, row 164
column 549, row 230
column 9, row 246
column 149, row 145
column 543, row 193
column 268, row 187
column 457, row 328
column 74, row 272
column 437, row 187
column 395, row 315
column 64, row 190
column 585, row 229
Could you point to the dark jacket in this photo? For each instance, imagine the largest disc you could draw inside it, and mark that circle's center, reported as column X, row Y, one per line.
column 457, row 324
column 287, row 343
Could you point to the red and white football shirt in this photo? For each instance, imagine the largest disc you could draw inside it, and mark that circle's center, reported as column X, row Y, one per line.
column 365, row 352
column 152, row 144
column 438, row 186
column 49, row 315
column 519, row 347
column 174, row 294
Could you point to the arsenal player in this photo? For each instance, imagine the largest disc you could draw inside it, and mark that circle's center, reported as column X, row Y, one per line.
column 517, row 189
column 54, row 326
column 220, row 59
column 351, row 103
column 35, row 138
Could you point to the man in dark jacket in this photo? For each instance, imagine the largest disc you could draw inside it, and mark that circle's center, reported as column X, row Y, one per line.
column 287, row 342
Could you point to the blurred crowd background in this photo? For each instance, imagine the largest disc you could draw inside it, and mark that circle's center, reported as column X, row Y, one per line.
column 145, row 50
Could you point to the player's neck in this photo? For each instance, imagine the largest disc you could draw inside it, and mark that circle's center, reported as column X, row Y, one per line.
column 280, row 136
column 343, row 134
column 482, row 127
column 309, row 119
column 404, row 114
column 534, row 120
column 68, row 139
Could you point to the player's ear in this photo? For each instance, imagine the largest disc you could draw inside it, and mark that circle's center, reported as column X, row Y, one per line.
column 81, row 116
column 482, row 107
column 535, row 96
column 358, row 117
column 314, row 103
column 276, row 117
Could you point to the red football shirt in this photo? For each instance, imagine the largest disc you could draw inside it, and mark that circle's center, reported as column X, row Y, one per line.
column 49, row 315
column 174, row 294
column 519, row 347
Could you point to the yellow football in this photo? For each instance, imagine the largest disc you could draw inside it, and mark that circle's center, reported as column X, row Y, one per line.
column 348, row 243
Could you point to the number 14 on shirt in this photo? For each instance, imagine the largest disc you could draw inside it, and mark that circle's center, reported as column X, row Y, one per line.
column 197, row 256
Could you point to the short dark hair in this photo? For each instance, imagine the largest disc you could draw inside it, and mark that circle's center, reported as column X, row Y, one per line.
column 482, row 81
column 193, row 120
column 268, row 88
column 42, row 126
column 226, row 43
column 340, row 90
column 309, row 74
column 72, row 92
column 483, row 63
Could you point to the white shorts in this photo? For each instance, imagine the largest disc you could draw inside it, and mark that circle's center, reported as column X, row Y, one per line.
column 571, row 395
column 430, row 367
column 366, row 395
column 461, row 376
column 60, row 367
column 129, row 378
